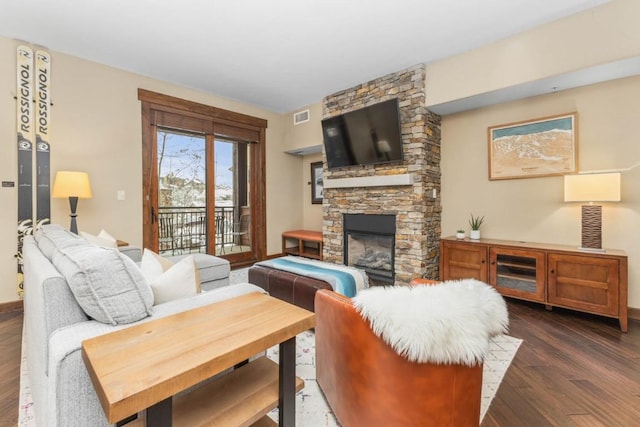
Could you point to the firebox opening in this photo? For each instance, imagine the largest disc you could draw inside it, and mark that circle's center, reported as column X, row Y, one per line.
column 369, row 244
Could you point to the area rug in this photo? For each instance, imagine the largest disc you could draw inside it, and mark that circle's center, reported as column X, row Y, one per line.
column 311, row 408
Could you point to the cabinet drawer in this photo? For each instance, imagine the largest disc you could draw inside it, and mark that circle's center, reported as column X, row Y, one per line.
column 586, row 283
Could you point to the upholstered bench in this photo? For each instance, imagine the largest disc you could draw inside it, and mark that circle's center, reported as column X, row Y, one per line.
column 297, row 279
column 213, row 271
column 290, row 287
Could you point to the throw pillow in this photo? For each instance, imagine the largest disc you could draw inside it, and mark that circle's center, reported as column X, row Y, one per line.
column 103, row 239
column 104, row 235
column 169, row 281
column 108, row 286
column 52, row 236
column 153, row 265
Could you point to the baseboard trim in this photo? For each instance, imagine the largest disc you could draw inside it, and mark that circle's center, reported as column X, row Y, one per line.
column 634, row 313
column 11, row 306
column 273, row 256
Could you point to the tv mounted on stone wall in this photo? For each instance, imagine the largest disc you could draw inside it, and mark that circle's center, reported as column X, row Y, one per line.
column 370, row 135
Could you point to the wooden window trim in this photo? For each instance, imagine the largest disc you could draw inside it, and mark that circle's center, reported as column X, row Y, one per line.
column 206, row 111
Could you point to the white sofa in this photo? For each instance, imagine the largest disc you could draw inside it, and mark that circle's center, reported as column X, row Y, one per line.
column 56, row 325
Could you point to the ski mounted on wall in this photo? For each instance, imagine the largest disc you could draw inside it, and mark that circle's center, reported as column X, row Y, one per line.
column 24, row 131
column 42, row 126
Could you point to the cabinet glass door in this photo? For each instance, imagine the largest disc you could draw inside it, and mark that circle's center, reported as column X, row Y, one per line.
column 518, row 273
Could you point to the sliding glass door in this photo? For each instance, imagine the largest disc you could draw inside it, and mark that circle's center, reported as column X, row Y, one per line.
column 232, row 207
column 182, row 193
column 183, row 183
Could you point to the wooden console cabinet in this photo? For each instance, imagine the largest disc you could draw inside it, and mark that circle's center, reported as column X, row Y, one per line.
column 555, row 275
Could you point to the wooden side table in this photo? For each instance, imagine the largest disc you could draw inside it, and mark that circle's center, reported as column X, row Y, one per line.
column 307, row 243
column 145, row 365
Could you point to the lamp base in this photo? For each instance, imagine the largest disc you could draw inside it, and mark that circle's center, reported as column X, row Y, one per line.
column 73, row 204
column 592, row 227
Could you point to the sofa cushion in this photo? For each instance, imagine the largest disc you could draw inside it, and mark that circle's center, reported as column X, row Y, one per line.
column 52, row 236
column 108, row 286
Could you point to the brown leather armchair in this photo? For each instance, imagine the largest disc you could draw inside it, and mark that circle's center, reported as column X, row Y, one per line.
column 367, row 383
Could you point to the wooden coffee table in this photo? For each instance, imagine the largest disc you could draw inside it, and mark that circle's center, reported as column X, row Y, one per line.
column 144, row 366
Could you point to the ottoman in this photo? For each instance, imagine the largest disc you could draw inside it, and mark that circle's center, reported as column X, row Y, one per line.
column 289, row 287
column 213, row 271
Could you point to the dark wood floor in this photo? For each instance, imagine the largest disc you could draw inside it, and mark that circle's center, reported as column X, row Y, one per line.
column 571, row 370
column 10, row 353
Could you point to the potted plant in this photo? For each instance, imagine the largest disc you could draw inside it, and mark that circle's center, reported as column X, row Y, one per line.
column 475, row 222
column 460, row 234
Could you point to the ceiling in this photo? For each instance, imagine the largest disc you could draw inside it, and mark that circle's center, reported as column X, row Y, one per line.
column 280, row 54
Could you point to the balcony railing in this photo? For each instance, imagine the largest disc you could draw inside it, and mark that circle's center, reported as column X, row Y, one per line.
column 184, row 230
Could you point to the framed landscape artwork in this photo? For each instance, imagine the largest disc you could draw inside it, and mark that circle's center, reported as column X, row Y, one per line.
column 316, row 183
column 533, row 148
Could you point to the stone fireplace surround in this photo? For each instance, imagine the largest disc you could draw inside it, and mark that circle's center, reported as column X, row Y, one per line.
column 416, row 204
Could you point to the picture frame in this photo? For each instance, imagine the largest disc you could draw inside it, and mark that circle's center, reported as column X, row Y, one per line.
column 317, row 183
column 540, row 147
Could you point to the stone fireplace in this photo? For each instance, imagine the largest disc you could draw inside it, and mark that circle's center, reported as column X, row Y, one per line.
column 413, row 201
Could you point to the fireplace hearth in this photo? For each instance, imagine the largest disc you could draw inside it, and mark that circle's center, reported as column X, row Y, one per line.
column 369, row 242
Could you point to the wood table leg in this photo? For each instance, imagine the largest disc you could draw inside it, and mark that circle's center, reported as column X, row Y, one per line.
column 287, row 383
column 127, row 420
column 160, row 414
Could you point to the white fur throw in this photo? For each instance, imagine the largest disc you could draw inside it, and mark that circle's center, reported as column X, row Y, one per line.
column 446, row 323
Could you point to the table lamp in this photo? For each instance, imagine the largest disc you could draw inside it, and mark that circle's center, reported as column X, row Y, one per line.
column 74, row 185
column 593, row 187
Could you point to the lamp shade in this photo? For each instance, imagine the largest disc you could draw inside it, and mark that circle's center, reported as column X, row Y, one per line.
column 72, row 184
column 596, row 187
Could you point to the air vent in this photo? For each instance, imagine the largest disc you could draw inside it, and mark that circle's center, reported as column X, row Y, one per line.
column 301, row 117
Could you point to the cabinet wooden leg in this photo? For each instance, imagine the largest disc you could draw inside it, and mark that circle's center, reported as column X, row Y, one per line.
column 623, row 324
column 548, row 307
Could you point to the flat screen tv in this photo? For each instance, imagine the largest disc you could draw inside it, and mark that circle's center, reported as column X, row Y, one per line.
column 366, row 136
